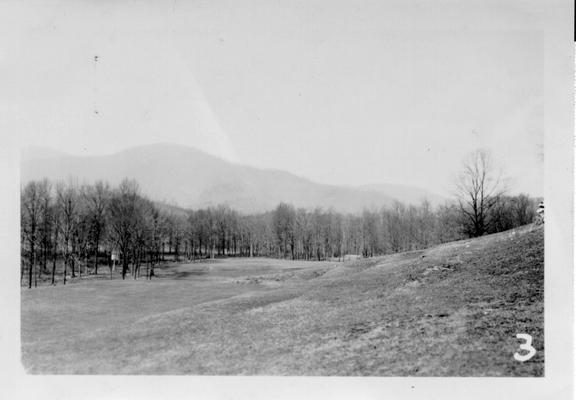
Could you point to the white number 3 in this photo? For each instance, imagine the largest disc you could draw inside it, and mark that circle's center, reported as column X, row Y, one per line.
column 527, row 345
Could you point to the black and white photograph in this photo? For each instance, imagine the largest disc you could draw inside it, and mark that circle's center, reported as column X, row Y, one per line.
column 278, row 195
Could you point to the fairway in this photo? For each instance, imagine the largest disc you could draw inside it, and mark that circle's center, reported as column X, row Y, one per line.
column 452, row 310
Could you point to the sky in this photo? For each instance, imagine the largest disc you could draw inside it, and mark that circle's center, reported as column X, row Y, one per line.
column 341, row 92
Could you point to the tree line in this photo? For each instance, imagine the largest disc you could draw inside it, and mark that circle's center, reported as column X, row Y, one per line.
column 78, row 227
column 72, row 229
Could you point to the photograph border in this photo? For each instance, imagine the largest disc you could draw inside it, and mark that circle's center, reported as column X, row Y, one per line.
column 558, row 288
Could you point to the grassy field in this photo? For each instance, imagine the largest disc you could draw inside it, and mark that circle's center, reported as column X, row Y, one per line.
column 452, row 310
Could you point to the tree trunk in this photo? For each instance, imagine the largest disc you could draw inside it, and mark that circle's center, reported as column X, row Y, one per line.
column 53, row 267
column 148, row 266
column 96, row 255
column 72, row 267
column 124, row 266
column 45, row 264
column 137, row 271
column 31, row 265
column 65, row 267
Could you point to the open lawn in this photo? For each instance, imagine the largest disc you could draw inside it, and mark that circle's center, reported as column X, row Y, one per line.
column 452, row 310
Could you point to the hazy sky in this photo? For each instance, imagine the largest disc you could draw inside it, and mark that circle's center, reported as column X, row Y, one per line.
column 344, row 92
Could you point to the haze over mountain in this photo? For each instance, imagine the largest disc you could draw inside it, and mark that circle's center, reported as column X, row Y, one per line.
column 191, row 178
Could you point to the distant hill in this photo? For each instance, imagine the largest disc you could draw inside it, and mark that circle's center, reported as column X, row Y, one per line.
column 191, row 178
column 407, row 194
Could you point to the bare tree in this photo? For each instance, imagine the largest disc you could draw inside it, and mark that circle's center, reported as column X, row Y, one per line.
column 47, row 211
column 30, row 205
column 55, row 232
column 447, row 225
column 97, row 199
column 82, row 232
column 479, row 188
column 155, row 221
column 67, row 203
column 123, row 219
column 283, row 221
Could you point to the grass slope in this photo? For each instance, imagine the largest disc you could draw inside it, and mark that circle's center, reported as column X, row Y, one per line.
column 452, row 310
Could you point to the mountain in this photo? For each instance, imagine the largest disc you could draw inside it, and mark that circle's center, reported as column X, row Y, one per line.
column 407, row 194
column 193, row 179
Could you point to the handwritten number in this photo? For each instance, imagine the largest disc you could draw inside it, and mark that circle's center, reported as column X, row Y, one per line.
column 527, row 345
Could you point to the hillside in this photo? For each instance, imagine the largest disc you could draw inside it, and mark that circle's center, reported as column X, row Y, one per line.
column 451, row 310
column 192, row 179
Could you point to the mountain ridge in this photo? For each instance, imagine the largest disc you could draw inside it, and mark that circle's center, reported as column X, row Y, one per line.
column 192, row 178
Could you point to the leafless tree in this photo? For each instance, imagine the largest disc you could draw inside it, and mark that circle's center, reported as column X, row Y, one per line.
column 447, row 223
column 155, row 221
column 97, row 199
column 479, row 188
column 123, row 219
column 284, row 223
column 30, row 218
column 46, row 211
column 67, row 204
column 55, row 236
